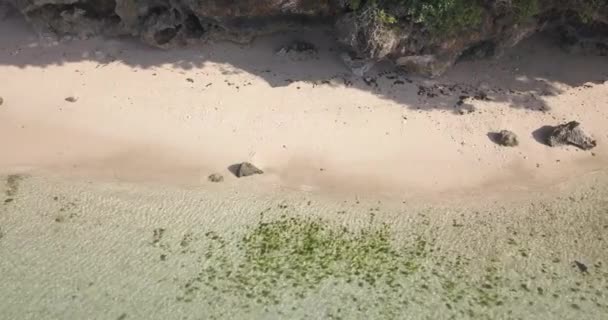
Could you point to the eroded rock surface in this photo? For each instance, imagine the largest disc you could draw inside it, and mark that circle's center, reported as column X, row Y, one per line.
column 572, row 134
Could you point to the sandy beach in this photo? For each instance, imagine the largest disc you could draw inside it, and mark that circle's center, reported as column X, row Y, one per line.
column 383, row 197
column 145, row 114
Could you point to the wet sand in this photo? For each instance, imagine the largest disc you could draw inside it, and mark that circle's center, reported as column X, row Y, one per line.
column 76, row 249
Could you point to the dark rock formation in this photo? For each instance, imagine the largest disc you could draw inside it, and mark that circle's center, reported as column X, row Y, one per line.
column 570, row 133
column 168, row 23
column 581, row 266
column 427, row 37
column 424, row 36
column 506, row 138
column 4, row 10
column 246, row 169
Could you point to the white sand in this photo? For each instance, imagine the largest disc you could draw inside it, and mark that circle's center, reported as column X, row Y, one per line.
column 137, row 118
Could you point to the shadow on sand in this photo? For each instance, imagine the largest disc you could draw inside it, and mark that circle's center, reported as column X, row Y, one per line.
column 523, row 77
column 541, row 135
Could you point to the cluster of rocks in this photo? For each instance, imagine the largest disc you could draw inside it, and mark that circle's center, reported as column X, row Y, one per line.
column 357, row 65
column 564, row 134
column 426, row 42
column 240, row 170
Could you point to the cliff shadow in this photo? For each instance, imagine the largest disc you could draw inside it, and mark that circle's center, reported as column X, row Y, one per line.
column 524, row 77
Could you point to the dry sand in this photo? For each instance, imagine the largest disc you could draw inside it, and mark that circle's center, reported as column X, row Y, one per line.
column 108, row 213
column 309, row 124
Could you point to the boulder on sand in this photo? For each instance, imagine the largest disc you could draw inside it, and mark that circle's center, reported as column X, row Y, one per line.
column 507, row 138
column 246, row 169
column 570, row 133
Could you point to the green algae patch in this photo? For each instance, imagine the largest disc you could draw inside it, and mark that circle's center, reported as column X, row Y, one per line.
column 278, row 266
column 303, row 253
column 12, row 187
column 12, row 184
column 296, row 256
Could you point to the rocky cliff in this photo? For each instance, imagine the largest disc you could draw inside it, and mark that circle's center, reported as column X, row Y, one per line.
column 423, row 36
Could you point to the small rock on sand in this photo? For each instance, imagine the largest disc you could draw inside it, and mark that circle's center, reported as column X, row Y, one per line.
column 581, row 266
column 358, row 66
column 507, row 138
column 1, row 101
column 247, row 169
column 299, row 51
column 570, row 133
column 466, row 109
column 71, row 99
column 299, row 46
column 215, row 177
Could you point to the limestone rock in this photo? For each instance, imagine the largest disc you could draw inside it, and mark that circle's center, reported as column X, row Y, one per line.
column 358, row 66
column 570, row 133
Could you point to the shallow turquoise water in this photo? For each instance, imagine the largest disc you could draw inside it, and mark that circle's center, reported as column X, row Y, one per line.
column 74, row 250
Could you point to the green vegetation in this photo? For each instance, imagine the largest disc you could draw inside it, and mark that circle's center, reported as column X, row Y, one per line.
column 526, row 9
column 446, row 16
column 588, row 8
column 283, row 262
column 386, row 18
column 439, row 16
column 355, row 4
column 302, row 253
